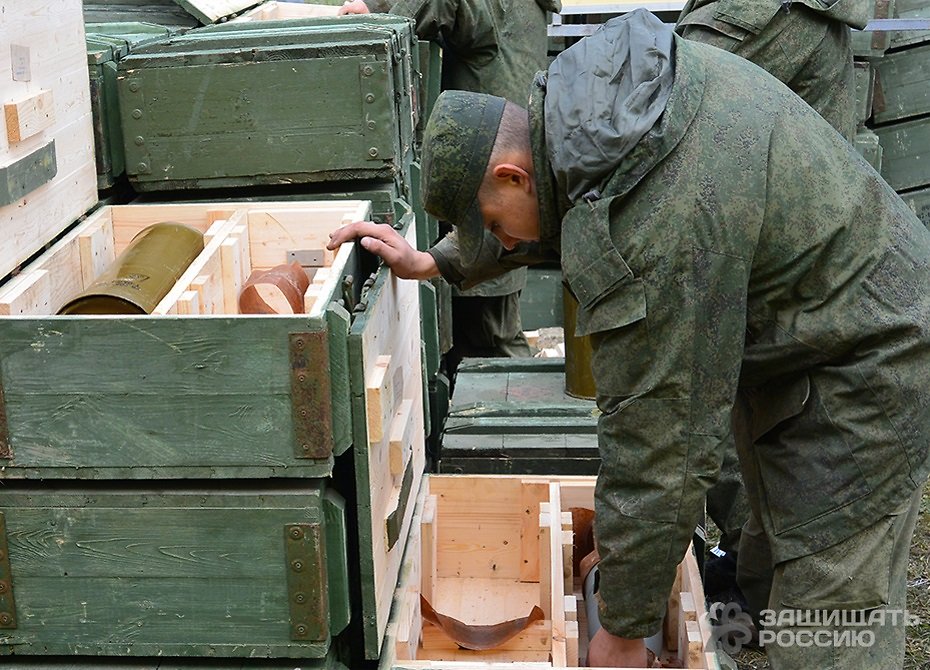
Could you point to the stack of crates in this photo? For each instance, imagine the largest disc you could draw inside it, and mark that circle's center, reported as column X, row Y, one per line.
column 902, row 110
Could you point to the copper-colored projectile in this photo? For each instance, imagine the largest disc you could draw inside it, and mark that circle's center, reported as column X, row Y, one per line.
column 479, row 637
column 279, row 290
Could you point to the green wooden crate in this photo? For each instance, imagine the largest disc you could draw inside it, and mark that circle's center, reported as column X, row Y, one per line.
column 541, row 300
column 905, row 147
column 276, row 102
column 106, row 44
column 127, row 397
column 221, row 397
column 177, row 13
column 257, row 569
column 910, row 9
column 512, row 416
column 872, row 45
column 903, row 85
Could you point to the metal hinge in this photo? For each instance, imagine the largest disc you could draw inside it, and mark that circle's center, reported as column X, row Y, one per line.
column 307, row 593
column 311, row 397
column 7, row 606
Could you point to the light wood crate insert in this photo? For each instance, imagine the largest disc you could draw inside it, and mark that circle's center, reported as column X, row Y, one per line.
column 270, row 11
column 238, row 239
column 395, row 425
column 485, row 549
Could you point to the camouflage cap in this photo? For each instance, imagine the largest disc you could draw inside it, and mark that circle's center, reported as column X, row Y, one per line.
column 457, row 145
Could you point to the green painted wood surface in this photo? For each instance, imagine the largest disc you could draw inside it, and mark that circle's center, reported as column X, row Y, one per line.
column 910, row 9
column 865, row 88
column 903, row 84
column 512, row 416
column 331, row 662
column 541, row 300
column 867, row 144
column 22, row 177
column 872, row 45
column 337, row 320
column 919, row 201
column 185, row 570
column 160, row 12
column 341, row 110
column 382, row 195
column 905, row 149
column 162, row 394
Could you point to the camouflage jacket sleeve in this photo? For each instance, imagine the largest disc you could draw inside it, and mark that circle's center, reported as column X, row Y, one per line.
column 493, row 262
column 465, row 25
column 656, row 308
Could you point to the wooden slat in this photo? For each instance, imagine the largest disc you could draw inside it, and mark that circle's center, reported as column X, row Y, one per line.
column 379, row 398
column 31, row 295
column 428, row 549
column 399, row 437
column 532, row 493
column 29, row 116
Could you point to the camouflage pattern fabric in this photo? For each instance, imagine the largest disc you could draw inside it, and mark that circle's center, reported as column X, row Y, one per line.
column 806, row 47
column 489, row 46
column 734, row 271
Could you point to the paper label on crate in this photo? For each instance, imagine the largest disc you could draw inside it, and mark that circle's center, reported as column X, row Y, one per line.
column 22, row 70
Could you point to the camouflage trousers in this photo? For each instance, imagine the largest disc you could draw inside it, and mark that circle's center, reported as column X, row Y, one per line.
column 809, row 53
column 840, row 608
column 486, row 326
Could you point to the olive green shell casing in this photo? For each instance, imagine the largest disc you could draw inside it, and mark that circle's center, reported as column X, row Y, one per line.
column 143, row 274
column 579, row 380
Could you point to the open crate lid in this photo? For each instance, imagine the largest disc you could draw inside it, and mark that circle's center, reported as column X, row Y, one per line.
column 211, row 11
column 203, row 12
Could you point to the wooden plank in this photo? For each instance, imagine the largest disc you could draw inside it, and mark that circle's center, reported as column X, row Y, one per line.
column 208, row 264
column 670, row 623
column 96, row 249
column 45, row 51
column 189, row 303
column 31, row 295
column 532, row 494
column 429, row 550
column 556, row 578
column 29, row 116
column 380, row 401
column 545, row 560
column 399, row 437
column 190, row 570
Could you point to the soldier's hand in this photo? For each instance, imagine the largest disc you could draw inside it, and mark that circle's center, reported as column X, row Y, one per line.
column 353, row 7
column 382, row 240
column 609, row 651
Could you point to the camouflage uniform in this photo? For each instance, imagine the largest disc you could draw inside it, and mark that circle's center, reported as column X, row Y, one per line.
column 808, row 47
column 806, row 44
column 739, row 261
column 488, row 47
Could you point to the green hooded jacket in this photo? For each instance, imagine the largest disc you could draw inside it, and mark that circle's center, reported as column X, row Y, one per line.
column 740, row 249
column 489, row 46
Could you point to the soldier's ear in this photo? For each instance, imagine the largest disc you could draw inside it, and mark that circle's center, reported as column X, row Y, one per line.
column 512, row 174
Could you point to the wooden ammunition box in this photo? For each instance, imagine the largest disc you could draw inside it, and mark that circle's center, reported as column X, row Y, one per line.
column 919, row 201
column 510, row 416
column 47, row 175
column 106, row 44
column 904, row 146
column 235, row 544
column 910, row 9
column 902, row 85
column 487, row 549
column 272, row 102
column 865, row 90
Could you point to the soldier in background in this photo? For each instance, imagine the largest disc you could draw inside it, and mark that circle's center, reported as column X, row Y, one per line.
column 495, row 47
column 742, row 271
column 807, row 45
